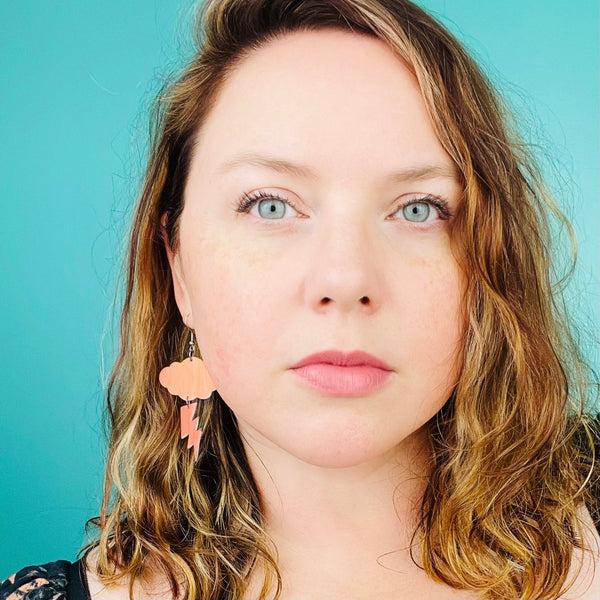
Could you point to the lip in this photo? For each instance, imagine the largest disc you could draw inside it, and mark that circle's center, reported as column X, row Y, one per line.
column 340, row 374
column 343, row 359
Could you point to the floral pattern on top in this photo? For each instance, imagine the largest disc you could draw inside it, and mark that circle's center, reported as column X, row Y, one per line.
column 37, row 582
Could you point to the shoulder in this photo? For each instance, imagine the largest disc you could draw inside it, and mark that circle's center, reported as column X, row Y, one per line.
column 99, row 591
column 37, row 582
column 153, row 587
column 585, row 565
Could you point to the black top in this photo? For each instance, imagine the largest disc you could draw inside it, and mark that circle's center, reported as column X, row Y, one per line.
column 58, row 580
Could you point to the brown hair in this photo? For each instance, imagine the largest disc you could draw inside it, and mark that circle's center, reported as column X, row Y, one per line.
column 508, row 473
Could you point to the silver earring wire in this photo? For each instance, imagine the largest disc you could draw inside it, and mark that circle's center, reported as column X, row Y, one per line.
column 191, row 345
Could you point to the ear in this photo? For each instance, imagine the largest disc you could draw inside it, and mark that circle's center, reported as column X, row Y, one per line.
column 181, row 294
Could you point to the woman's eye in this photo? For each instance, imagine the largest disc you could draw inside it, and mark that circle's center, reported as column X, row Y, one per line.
column 269, row 206
column 274, row 207
column 419, row 211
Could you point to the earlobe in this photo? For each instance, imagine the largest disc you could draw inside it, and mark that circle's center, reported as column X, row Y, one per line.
column 179, row 287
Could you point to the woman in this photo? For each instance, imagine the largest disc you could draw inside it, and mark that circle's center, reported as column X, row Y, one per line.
column 338, row 218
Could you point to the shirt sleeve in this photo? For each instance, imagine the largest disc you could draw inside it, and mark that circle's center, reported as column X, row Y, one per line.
column 37, row 582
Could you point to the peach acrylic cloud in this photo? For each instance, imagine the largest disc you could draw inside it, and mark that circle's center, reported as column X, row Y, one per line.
column 188, row 379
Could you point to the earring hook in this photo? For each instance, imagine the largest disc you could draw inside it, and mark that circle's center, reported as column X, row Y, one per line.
column 191, row 345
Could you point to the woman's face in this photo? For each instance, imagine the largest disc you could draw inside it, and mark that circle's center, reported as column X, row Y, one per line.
column 328, row 258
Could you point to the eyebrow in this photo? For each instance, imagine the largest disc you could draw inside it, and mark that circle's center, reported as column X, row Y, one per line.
column 413, row 173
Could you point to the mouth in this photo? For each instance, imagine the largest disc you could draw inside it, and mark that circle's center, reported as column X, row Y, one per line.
column 341, row 374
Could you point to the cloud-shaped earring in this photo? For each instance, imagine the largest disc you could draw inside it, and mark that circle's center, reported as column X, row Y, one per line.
column 189, row 380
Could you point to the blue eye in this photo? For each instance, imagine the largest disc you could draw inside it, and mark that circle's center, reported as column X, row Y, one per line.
column 270, row 206
column 416, row 211
column 419, row 210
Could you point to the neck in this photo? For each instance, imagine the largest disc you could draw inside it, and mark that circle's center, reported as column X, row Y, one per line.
column 363, row 511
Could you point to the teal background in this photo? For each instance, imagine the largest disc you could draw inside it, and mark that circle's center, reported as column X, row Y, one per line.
column 76, row 81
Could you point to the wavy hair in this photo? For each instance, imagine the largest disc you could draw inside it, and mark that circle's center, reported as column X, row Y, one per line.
column 510, row 449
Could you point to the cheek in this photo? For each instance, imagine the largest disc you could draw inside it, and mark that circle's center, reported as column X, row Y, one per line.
column 234, row 317
column 449, row 320
column 433, row 317
column 429, row 334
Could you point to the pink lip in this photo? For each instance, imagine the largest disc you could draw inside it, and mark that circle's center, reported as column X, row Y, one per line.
column 340, row 374
column 343, row 359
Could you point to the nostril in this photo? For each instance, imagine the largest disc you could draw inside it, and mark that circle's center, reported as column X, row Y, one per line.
column 325, row 300
column 364, row 300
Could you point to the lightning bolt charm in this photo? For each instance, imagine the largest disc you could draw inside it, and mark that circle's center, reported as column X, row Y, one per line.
column 189, row 427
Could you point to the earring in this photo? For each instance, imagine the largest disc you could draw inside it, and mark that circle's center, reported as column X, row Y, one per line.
column 189, row 380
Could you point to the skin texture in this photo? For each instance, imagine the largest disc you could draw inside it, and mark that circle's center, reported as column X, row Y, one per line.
column 253, row 288
column 263, row 293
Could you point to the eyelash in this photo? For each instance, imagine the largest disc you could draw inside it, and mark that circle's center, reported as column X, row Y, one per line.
column 247, row 201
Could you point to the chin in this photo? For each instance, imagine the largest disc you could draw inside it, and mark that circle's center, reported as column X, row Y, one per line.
column 337, row 460
column 337, row 447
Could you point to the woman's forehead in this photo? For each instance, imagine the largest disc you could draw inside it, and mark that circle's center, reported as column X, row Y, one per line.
column 343, row 99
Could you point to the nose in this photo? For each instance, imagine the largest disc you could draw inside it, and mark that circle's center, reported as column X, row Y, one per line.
column 346, row 271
